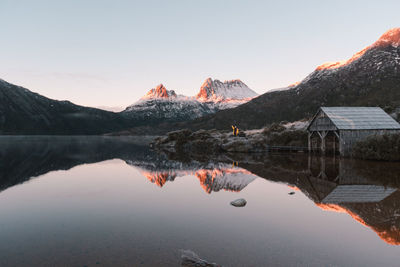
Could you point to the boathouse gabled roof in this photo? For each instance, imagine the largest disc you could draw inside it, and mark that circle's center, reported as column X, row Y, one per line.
column 359, row 118
column 358, row 194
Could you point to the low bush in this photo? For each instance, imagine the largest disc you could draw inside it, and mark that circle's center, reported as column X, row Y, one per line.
column 380, row 147
column 274, row 128
column 288, row 138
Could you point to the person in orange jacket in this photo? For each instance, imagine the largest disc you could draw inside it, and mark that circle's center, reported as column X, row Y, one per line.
column 235, row 130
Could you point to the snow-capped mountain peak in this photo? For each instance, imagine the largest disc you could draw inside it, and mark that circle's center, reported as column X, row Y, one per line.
column 161, row 105
column 159, row 92
column 217, row 91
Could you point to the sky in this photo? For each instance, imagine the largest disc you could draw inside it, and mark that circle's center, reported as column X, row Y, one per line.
column 110, row 53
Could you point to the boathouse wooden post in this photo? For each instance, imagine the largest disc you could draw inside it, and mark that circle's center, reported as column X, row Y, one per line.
column 336, row 135
column 322, row 135
column 323, row 143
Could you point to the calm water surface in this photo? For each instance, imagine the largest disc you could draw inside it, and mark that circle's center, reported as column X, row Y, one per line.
column 88, row 201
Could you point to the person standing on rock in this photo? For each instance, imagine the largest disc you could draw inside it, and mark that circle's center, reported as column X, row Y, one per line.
column 234, row 130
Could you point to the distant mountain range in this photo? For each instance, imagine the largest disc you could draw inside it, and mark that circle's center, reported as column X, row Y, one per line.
column 25, row 112
column 162, row 105
column 370, row 78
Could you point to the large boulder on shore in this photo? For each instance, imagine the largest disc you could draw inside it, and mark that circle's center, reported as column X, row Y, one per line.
column 237, row 145
column 179, row 135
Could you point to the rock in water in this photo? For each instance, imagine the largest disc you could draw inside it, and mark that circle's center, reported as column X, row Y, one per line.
column 191, row 259
column 241, row 202
column 291, row 193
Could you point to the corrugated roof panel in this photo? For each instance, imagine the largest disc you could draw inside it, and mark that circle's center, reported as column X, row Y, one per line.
column 358, row 194
column 360, row 118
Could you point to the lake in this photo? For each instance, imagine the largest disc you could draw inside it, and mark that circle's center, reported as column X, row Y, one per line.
column 92, row 201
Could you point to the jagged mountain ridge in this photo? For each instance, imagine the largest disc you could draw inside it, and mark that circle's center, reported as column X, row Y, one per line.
column 162, row 105
column 217, row 91
column 159, row 92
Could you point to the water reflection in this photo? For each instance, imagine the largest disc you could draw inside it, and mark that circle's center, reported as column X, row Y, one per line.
column 23, row 158
column 212, row 179
column 367, row 191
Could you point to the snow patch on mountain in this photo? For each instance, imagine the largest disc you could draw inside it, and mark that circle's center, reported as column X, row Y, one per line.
column 217, row 91
column 160, row 103
column 171, row 109
column 281, row 89
column 111, row 108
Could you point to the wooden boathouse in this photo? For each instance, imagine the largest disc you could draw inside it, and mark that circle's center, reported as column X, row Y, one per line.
column 337, row 129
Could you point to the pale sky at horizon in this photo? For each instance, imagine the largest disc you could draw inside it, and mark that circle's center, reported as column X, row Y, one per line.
column 110, row 53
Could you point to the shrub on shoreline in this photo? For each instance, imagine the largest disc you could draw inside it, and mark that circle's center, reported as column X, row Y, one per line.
column 274, row 128
column 380, row 147
column 288, row 138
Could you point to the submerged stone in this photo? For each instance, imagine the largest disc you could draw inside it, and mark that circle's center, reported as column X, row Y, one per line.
column 191, row 259
column 241, row 202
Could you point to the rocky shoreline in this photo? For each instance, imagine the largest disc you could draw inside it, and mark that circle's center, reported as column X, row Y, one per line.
column 215, row 142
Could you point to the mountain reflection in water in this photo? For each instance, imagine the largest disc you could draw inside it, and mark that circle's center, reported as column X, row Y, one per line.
column 220, row 177
column 367, row 191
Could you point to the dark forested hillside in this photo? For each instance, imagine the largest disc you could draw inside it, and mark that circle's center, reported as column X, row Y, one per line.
column 25, row 112
column 369, row 78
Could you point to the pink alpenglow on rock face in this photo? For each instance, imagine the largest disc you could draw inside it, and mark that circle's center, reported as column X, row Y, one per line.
column 389, row 38
column 160, row 104
column 159, row 92
column 217, row 91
